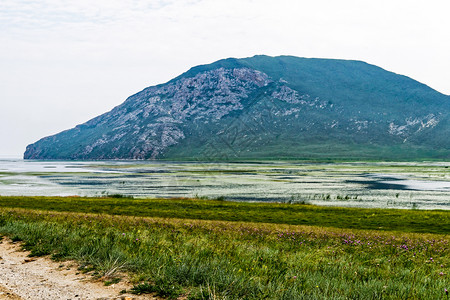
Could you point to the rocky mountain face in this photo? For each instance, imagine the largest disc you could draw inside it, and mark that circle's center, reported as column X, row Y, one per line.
column 267, row 108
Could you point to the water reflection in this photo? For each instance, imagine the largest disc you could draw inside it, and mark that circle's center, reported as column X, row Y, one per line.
column 401, row 185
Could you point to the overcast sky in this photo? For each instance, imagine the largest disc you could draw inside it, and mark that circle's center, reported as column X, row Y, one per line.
column 64, row 62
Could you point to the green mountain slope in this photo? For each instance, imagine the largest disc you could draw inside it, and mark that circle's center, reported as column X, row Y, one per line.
column 267, row 108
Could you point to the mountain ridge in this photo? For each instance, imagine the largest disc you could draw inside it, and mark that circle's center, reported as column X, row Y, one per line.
column 281, row 107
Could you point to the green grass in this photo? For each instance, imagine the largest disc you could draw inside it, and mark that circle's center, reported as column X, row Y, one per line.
column 293, row 214
column 234, row 260
column 199, row 249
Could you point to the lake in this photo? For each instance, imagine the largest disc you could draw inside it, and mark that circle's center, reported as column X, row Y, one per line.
column 421, row 185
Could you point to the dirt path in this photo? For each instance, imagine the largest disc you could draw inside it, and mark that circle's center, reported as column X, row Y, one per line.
column 22, row 277
column 6, row 294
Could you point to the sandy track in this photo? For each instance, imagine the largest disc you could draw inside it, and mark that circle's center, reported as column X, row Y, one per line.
column 6, row 294
column 22, row 277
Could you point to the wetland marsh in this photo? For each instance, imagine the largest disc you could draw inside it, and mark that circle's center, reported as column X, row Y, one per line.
column 421, row 185
column 168, row 245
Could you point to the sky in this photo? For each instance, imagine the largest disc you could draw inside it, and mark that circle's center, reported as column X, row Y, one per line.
column 64, row 62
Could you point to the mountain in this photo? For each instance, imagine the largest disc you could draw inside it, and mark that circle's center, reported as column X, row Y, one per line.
column 267, row 108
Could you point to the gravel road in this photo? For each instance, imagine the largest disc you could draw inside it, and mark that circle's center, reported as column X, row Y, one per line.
column 22, row 277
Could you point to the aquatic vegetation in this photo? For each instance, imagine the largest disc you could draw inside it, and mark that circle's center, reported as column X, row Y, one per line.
column 421, row 185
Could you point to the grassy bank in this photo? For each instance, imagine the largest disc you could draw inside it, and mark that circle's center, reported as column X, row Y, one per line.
column 278, row 213
column 172, row 255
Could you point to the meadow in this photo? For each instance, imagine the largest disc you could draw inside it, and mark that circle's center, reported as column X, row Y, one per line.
column 210, row 249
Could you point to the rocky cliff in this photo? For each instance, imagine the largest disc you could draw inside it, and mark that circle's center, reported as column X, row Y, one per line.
column 267, row 107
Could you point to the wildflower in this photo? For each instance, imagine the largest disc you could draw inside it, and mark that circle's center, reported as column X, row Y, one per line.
column 294, row 277
column 442, row 273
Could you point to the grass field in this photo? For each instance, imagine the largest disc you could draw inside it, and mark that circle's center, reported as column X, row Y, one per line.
column 204, row 249
column 278, row 213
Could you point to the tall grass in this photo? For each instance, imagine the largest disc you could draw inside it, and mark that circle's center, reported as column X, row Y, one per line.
column 203, row 259
column 278, row 213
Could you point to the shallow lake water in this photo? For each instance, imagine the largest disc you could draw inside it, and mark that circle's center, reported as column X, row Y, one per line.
column 421, row 185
